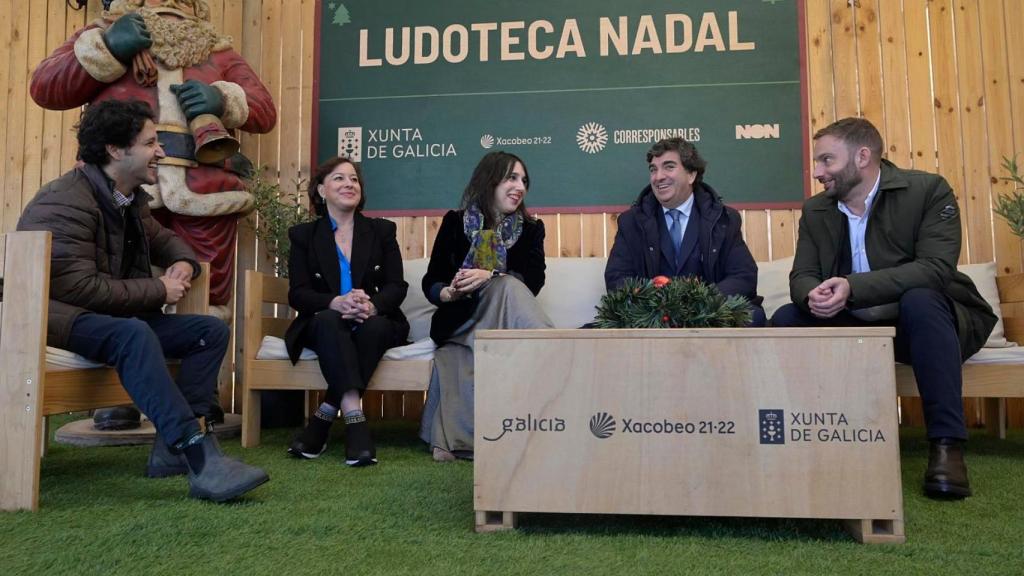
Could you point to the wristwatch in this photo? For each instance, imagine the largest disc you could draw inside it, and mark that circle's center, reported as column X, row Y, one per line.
column 495, row 273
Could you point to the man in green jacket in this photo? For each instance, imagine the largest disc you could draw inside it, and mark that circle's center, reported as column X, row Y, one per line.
column 880, row 247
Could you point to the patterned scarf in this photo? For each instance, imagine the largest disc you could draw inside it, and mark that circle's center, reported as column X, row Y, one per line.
column 488, row 249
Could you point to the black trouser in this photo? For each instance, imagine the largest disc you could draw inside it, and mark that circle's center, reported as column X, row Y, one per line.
column 926, row 338
column 348, row 352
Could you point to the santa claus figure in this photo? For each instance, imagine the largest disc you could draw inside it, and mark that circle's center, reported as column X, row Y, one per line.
column 167, row 54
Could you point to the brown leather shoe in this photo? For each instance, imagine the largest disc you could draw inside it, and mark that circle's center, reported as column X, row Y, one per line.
column 946, row 477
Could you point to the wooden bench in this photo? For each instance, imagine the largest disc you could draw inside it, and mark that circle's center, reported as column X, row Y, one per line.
column 258, row 375
column 30, row 388
column 994, row 383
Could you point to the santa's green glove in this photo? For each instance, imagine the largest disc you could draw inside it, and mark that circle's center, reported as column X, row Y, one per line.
column 127, row 36
column 197, row 98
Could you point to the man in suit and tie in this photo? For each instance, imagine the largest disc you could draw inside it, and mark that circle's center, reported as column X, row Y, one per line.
column 678, row 226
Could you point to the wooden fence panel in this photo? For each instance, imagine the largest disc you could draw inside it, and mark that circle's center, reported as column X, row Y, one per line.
column 869, row 63
column 894, row 83
column 15, row 105
column 947, row 117
column 919, row 88
column 976, row 187
column 844, row 59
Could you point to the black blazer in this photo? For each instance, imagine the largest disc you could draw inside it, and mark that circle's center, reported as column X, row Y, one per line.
column 314, row 275
column 525, row 262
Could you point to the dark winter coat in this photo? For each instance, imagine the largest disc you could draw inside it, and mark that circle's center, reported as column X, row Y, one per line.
column 912, row 241
column 314, row 274
column 101, row 256
column 525, row 262
column 724, row 257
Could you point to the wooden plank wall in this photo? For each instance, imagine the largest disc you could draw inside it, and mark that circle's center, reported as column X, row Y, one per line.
column 936, row 76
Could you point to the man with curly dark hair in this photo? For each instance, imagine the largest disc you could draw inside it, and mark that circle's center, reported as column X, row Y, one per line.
column 106, row 305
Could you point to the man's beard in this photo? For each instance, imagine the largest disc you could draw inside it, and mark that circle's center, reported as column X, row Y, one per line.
column 176, row 43
column 844, row 182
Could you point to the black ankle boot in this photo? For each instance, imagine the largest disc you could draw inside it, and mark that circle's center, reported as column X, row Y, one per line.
column 359, row 449
column 163, row 462
column 214, row 476
column 117, row 418
column 311, row 442
column 946, row 477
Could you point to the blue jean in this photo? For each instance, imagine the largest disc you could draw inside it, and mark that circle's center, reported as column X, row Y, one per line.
column 138, row 347
column 926, row 338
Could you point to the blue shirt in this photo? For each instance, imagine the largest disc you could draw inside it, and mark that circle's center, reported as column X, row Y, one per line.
column 858, row 226
column 346, row 268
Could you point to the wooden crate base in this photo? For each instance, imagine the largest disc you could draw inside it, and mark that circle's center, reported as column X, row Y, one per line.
column 876, row 531
column 767, row 423
column 491, row 521
column 866, row 531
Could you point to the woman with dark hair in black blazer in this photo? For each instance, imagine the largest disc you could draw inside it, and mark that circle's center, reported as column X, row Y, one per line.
column 345, row 281
column 486, row 268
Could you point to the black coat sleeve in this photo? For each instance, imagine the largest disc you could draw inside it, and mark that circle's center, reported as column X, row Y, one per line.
column 530, row 267
column 444, row 257
column 738, row 274
column 623, row 262
column 389, row 278
column 302, row 295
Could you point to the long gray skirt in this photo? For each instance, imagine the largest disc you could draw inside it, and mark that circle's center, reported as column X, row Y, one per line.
column 505, row 303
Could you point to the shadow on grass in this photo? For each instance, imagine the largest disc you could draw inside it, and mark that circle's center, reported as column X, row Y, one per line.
column 771, row 529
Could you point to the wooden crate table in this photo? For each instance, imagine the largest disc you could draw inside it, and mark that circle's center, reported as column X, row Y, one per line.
column 786, row 423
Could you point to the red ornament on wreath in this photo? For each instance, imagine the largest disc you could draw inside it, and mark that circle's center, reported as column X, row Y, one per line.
column 661, row 281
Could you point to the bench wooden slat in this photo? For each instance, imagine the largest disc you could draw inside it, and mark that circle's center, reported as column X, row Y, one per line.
column 980, row 381
column 23, row 333
column 275, row 326
column 391, row 375
column 73, row 390
column 1013, row 326
column 78, row 389
column 275, row 290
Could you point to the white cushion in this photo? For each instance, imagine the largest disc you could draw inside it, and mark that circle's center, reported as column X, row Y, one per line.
column 422, row 349
column 66, row 359
column 773, row 284
column 984, row 278
column 573, row 288
column 1012, row 355
column 416, row 307
column 273, row 348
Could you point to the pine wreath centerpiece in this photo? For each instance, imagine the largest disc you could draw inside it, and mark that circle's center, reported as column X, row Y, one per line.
column 663, row 302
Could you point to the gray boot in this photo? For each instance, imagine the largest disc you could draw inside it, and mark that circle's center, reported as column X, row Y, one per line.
column 214, row 476
column 164, row 463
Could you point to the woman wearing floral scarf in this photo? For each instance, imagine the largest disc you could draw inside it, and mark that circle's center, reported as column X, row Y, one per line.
column 486, row 267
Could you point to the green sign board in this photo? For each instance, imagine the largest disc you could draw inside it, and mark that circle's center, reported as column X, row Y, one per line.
column 419, row 90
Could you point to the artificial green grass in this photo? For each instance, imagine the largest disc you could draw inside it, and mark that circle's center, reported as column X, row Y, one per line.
column 409, row 515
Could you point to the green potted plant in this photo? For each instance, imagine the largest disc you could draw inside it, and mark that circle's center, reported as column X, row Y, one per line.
column 277, row 211
column 663, row 302
column 1011, row 205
